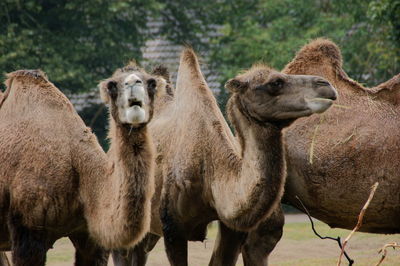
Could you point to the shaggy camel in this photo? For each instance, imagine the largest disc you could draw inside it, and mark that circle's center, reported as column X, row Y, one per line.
column 355, row 145
column 55, row 179
column 204, row 172
column 362, row 147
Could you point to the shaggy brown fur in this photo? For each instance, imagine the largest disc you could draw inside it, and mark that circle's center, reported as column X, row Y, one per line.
column 56, row 181
column 357, row 153
column 204, row 172
column 354, row 147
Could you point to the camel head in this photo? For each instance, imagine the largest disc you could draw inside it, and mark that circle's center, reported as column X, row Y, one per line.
column 130, row 93
column 268, row 95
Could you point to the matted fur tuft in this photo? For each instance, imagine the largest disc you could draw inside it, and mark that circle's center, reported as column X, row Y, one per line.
column 162, row 71
column 190, row 57
column 322, row 55
column 318, row 51
column 131, row 66
column 257, row 73
column 36, row 74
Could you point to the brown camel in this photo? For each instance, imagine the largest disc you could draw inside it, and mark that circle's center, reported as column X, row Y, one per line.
column 203, row 173
column 55, row 179
column 362, row 147
column 354, row 145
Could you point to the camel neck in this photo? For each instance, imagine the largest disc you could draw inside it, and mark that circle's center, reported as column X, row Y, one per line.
column 119, row 187
column 128, row 140
column 258, row 186
column 254, row 136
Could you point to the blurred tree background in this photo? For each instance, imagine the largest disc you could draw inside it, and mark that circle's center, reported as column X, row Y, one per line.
column 368, row 33
column 77, row 43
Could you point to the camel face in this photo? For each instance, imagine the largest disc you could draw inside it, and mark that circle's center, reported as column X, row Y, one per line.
column 131, row 95
column 268, row 95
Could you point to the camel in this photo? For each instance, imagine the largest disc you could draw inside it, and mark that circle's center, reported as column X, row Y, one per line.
column 203, row 173
column 55, row 179
column 355, row 145
column 363, row 144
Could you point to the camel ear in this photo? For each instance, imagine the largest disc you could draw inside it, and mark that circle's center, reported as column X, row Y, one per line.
column 108, row 90
column 236, row 86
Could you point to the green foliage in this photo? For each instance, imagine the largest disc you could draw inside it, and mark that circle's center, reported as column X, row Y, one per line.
column 273, row 30
column 386, row 13
column 77, row 43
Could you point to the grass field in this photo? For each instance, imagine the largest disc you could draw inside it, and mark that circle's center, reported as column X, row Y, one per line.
column 298, row 246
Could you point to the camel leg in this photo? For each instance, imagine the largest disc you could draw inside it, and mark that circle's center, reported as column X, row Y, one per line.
column 136, row 256
column 87, row 252
column 227, row 246
column 29, row 247
column 174, row 239
column 3, row 259
column 260, row 242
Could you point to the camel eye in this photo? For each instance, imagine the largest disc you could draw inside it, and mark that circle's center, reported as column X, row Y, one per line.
column 274, row 87
column 277, row 83
column 152, row 86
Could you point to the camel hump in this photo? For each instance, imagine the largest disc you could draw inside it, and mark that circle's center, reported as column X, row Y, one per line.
column 316, row 53
column 35, row 85
column 30, row 75
column 33, row 73
column 390, row 85
column 190, row 79
column 388, row 90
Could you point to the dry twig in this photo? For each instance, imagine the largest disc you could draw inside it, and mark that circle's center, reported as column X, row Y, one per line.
column 383, row 250
column 359, row 222
column 337, row 239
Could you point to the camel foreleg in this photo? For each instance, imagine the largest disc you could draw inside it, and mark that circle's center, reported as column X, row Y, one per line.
column 227, row 246
column 261, row 241
column 136, row 256
column 87, row 252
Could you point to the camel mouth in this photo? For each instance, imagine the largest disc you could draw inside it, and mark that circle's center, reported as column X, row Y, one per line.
column 319, row 105
column 133, row 103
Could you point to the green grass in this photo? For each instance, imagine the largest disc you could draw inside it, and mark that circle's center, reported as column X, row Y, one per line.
column 298, row 246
